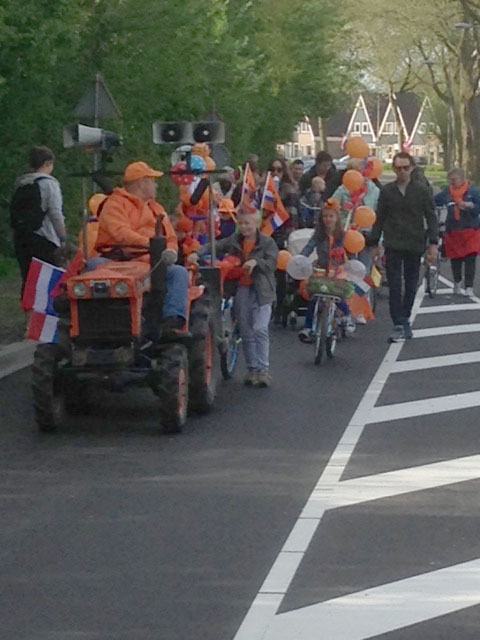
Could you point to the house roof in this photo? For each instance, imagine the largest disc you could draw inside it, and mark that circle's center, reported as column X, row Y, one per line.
column 376, row 104
column 410, row 105
column 336, row 126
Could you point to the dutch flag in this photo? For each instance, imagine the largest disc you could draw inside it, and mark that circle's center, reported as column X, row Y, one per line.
column 42, row 279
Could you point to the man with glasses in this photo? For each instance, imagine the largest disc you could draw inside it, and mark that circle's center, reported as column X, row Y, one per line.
column 404, row 207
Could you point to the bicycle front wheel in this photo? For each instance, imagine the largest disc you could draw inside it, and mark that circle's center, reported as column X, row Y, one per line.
column 320, row 324
column 431, row 280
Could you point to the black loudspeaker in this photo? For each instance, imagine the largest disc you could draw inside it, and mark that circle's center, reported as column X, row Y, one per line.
column 172, row 132
column 212, row 132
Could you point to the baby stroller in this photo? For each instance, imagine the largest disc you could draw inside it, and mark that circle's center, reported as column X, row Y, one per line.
column 294, row 304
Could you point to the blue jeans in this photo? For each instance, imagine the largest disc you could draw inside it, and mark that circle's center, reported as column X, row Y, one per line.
column 253, row 325
column 175, row 303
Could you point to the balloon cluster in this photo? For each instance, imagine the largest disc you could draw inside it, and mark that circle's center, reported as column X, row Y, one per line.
column 372, row 167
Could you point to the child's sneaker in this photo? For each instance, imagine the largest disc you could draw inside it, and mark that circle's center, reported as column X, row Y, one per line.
column 305, row 336
column 264, row 379
column 350, row 326
column 457, row 288
column 361, row 319
column 250, row 379
column 469, row 292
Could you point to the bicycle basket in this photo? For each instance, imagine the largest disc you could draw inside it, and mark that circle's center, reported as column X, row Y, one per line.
column 330, row 287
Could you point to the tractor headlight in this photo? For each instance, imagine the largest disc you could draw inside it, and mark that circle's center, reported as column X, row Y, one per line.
column 80, row 289
column 121, row 288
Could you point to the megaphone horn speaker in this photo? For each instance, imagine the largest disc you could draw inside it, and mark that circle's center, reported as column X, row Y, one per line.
column 213, row 132
column 172, row 132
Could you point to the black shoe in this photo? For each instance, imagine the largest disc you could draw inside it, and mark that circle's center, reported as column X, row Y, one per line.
column 407, row 330
column 398, row 334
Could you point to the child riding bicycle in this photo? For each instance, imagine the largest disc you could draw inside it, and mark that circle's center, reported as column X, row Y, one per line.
column 328, row 241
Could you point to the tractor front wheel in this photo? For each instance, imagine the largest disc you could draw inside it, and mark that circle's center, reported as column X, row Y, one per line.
column 171, row 387
column 203, row 374
column 47, row 387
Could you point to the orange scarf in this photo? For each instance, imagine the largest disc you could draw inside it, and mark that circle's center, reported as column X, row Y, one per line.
column 458, row 194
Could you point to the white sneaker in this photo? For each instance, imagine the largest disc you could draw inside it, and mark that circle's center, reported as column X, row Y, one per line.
column 457, row 288
column 361, row 319
column 469, row 292
column 350, row 326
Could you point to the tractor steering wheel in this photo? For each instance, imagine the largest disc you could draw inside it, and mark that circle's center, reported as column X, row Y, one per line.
column 115, row 251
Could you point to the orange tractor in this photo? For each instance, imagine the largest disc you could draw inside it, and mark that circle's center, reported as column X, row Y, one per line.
column 111, row 337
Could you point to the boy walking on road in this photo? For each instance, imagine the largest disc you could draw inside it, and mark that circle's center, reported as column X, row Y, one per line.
column 403, row 208
column 255, row 293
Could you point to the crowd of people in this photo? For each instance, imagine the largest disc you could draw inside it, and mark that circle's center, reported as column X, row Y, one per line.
column 406, row 228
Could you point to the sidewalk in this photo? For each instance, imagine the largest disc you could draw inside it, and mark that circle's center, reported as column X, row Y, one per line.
column 16, row 356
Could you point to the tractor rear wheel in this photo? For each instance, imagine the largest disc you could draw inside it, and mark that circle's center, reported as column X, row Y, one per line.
column 48, row 389
column 171, row 387
column 202, row 366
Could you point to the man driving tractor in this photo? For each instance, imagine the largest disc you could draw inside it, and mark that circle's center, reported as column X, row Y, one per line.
column 129, row 218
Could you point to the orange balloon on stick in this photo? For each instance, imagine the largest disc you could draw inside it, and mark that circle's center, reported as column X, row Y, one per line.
column 353, row 180
column 364, row 217
column 354, row 242
column 374, row 168
column 283, row 259
column 357, row 147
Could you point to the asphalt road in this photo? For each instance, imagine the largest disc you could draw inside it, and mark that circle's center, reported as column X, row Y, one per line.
column 112, row 531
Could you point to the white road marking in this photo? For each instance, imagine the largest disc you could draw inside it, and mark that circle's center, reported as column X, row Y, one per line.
column 395, row 483
column 265, row 606
column 390, row 606
column 447, row 308
column 379, row 610
column 418, row 364
column 416, row 408
column 446, row 331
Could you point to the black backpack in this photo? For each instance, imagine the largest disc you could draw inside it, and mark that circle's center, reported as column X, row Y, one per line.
column 26, row 213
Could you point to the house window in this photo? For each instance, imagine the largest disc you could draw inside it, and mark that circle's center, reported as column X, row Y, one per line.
column 422, row 128
column 389, row 127
column 296, row 150
column 365, row 127
column 309, row 150
column 356, row 127
column 304, row 127
column 395, row 128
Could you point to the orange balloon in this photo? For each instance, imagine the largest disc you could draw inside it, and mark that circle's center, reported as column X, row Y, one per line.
column 356, row 147
column 374, row 168
column 353, row 180
column 354, row 242
column 283, row 259
column 364, row 217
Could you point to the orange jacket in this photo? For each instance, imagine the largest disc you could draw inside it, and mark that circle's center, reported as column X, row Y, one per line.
column 126, row 219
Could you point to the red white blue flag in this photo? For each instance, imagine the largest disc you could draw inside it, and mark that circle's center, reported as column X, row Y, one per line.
column 248, row 191
column 37, row 297
column 273, row 207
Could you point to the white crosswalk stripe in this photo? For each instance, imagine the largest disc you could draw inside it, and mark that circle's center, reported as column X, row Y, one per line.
column 394, row 605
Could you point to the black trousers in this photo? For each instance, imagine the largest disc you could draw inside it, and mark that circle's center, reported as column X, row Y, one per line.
column 31, row 245
column 403, row 269
column 470, row 263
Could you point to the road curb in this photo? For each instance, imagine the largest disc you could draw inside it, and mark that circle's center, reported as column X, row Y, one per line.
column 16, row 356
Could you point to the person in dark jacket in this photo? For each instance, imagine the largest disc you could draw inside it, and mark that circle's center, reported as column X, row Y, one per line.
column 324, row 168
column 403, row 208
column 462, row 229
column 255, row 292
column 44, row 242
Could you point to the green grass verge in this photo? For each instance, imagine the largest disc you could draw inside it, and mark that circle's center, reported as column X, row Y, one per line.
column 12, row 317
